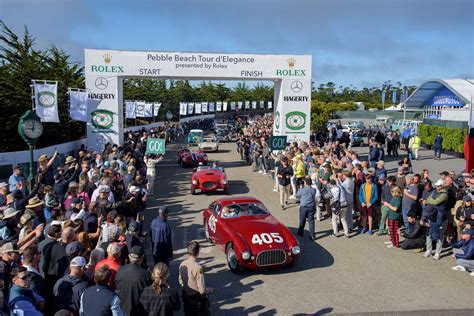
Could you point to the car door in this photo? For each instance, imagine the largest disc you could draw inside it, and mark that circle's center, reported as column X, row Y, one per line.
column 212, row 222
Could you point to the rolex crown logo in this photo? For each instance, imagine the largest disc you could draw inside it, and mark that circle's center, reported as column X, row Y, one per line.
column 107, row 58
column 291, row 62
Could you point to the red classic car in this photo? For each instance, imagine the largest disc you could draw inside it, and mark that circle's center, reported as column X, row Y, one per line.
column 187, row 157
column 205, row 179
column 249, row 235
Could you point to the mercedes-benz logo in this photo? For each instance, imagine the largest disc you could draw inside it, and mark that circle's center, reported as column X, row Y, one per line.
column 101, row 83
column 296, row 86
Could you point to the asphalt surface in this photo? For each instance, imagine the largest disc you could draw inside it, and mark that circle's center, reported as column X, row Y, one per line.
column 333, row 275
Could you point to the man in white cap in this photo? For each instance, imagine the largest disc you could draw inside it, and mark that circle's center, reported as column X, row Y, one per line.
column 437, row 200
column 69, row 288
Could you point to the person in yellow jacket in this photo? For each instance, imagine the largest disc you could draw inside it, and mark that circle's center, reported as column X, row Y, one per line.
column 414, row 145
column 299, row 170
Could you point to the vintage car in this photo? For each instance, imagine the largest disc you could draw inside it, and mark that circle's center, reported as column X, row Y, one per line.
column 195, row 136
column 249, row 235
column 209, row 144
column 223, row 136
column 206, row 179
column 187, row 157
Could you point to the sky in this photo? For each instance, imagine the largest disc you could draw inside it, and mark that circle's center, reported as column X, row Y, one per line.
column 353, row 42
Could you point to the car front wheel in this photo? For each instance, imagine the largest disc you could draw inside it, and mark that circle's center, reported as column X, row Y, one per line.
column 232, row 261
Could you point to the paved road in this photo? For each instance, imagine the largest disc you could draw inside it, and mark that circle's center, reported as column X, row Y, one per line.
column 333, row 275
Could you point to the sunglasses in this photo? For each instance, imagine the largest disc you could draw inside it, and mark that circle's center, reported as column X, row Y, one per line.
column 25, row 277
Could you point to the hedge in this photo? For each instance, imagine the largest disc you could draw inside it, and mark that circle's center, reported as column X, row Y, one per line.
column 453, row 138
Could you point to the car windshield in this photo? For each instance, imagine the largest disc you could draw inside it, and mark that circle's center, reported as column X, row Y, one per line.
column 208, row 140
column 244, row 209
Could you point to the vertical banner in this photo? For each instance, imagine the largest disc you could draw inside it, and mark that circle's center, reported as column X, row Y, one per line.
column 130, row 109
column 197, row 107
column 140, row 109
column 183, row 108
column 383, row 97
column 156, row 108
column 262, row 104
column 254, row 105
column 190, row 107
column 239, row 105
column 219, row 106
column 78, row 105
column 46, row 101
column 247, row 105
column 270, row 104
column 224, row 106
column 204, row 107
column 232, row 106
column 211, row 106
column 148, row 109
column 394, row 96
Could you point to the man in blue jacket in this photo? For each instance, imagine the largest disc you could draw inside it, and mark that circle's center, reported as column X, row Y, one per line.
column 464, row 251
column 437, row 146
column 160, row 232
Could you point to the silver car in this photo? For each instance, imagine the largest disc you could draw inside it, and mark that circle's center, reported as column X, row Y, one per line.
column 209, row 144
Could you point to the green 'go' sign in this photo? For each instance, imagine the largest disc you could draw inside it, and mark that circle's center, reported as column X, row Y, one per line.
column 277, row 142
column 155, row 146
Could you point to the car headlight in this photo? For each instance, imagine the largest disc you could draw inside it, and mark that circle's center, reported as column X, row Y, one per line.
column 195, row 182
column 224, row 181
column 245, row 255
column 295, row 250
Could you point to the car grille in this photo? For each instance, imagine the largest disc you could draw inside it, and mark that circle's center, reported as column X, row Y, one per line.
column 271, row 257
column 208, row 185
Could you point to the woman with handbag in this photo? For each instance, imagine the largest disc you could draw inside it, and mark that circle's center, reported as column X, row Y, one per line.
column 338, row 208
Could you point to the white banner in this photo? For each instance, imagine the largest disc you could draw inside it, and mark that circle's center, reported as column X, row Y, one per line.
column 211, row 106
column 78, row 105
column 130, row 108
column 197, row 106
column 156, row 108
column 148, row 109
column 140, row 109
column 262, row 104
column 239, row 104
column 219, row 106
column 224, row 106
column 270, row 104
column 204, row 107
column 247, row 105
column 46, row 101
column 183, row 108
column 254, row 105
column 190, row 108
column 232, row 106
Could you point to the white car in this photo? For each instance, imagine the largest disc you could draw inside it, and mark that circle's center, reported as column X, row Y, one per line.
column 209, row 144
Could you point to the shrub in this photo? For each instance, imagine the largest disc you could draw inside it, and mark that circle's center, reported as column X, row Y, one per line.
column 453, row 138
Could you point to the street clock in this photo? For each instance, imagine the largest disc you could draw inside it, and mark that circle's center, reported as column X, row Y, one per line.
column 30, row 127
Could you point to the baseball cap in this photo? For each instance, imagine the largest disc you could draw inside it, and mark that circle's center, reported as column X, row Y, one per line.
column 137, row 252
column 3, row 184
column 73, row 248
column 114, row 232
column 382, row 177
column 134, row 188
column 9, row 247
column 78, row 262
column 163, row 210
column 467, row 231
column 467, row 198
column 439, row 183
column 444, row 173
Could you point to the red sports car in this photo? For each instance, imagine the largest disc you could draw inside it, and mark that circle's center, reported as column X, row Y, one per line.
column 205, row 179
column 249, row 235
column 187, row 157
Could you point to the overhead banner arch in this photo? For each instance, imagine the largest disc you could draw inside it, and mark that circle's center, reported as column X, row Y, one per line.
column 106, row 69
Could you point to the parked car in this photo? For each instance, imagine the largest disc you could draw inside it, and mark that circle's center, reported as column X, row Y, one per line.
column 249, row 235
column 187, row 157
column 207, row 179
column 224, row 136
column 358, row 139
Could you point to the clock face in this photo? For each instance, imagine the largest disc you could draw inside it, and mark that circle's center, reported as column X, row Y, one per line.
column 32, row 128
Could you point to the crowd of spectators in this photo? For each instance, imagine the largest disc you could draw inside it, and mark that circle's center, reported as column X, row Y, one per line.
column 417, row 210
column 74, row 242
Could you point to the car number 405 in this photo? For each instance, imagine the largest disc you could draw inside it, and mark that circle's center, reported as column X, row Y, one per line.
column 267, row 238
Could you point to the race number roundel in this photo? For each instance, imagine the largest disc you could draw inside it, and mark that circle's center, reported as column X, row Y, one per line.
column 295, row 120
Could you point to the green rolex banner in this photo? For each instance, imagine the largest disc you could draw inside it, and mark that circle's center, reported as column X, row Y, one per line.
column 46, row 101
column 155, row 146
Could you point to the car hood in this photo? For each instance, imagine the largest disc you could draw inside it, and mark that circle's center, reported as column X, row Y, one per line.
column 208, row 174
column 246, row 228
column 208, row 144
